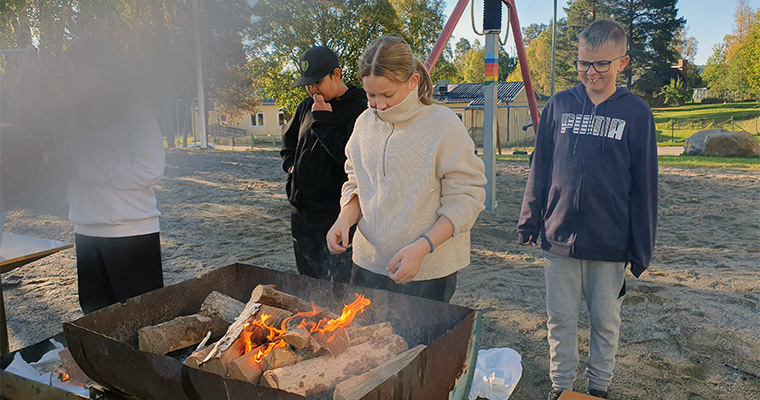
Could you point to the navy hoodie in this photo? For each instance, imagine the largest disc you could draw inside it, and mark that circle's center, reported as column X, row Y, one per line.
column 592, row 189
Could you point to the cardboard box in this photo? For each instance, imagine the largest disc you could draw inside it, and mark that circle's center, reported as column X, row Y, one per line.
column 570, row 395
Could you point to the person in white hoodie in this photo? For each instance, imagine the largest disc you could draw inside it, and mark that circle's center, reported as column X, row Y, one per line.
column 116, row 155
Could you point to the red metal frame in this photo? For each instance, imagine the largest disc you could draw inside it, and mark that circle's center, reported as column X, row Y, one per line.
column 516, row 33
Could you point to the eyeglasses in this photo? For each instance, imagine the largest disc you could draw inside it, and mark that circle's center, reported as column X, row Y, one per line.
column 600, row 66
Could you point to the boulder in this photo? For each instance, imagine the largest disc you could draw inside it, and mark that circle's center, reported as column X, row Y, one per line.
column 731, row 144
column 695, row 144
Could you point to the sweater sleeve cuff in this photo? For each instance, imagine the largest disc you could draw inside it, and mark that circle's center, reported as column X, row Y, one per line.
column 322, row 115
column 525, row 237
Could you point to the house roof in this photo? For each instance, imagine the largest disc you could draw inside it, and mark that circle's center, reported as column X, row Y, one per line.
column 472, row 93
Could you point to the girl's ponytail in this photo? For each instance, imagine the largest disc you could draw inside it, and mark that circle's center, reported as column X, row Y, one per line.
column 425, row 90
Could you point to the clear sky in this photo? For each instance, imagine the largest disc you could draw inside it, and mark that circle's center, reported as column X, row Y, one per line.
column 708, row 21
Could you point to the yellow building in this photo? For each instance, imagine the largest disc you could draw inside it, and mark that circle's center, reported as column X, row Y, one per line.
column 513, row 121
column 265, row 126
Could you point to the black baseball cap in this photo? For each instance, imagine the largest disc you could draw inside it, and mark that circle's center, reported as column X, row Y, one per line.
column 315, row 64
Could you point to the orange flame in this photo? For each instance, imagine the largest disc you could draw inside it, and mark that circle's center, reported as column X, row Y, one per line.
column 274, row 335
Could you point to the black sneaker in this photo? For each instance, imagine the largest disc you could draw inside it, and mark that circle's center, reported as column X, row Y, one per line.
column 554, row 394
column 598, row 393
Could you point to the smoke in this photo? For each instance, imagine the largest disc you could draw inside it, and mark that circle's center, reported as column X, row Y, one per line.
column 60, row 116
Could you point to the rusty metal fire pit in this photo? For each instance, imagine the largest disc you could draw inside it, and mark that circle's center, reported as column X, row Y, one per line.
column 104, row 343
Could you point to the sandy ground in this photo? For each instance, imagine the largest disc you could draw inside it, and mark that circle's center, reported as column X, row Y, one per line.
column 695, row 310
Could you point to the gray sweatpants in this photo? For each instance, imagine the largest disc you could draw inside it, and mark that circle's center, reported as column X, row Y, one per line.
column 568, row 282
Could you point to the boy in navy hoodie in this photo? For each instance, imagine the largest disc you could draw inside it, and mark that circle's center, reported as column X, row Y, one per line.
column 592, row 197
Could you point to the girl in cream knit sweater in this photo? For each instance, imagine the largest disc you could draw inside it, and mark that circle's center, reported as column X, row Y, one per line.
column 415, row 185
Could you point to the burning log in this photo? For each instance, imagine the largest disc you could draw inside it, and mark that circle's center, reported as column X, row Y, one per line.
column 217, row 358
column 245, row 367
column 356, row 387
column 299, row 337
column 218, row 311
column 361, row 334
column 319, row 374
column 267, row 294
column 220, row 363
column 284, row 356
column 234, row 331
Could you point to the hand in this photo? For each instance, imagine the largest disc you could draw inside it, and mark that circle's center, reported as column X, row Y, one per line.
column 530, row 242
column 319, row 104
column 337, row 236
column 406, row 263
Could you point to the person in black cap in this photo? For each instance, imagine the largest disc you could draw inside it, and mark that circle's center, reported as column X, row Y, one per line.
column 313, row 155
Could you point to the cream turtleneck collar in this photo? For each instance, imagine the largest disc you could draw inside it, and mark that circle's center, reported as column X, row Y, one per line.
column 407, row 109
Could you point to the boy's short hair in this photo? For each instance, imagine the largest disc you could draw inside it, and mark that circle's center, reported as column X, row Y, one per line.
column 601, row 32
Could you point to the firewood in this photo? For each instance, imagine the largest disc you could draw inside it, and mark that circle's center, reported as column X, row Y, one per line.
column 223, row 306
column 245, row 368
column 217, row 312
column 283, row 356
column 361, row 334
column 233, row 332
column 220, row 364
column 335, row 342
column 277, row 315
column 298, row 336
column 319, row 374
column 267, row 294
column 356, row 387
column 178, row 333
column 194, row 360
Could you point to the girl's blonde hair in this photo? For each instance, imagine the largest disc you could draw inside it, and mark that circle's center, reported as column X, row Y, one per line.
column 392, row 58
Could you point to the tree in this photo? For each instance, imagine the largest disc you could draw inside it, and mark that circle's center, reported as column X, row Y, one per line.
column 686, row 46
column 731, row 70
column 507, row 65
column 581, row 13
column 471, row 64
column 445, row 68
column 539, row 58
column 751, row 52
column 675, row 92
column 462, row 46
column 284, row 29
column 155, row 35
column 726, row 79
column 652, row 27
column 421, row 21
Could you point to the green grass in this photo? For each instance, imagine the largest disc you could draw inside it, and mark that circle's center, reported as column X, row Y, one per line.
column 675, row 124
column 677, row 161
column 710, row 162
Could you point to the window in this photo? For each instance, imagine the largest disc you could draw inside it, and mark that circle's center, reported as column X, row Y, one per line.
column 281, row 119
column 257, row 119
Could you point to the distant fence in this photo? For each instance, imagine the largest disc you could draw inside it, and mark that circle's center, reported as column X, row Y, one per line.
column 685, row 128
column 250, row 140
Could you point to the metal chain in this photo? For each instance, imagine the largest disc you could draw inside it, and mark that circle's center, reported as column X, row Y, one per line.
column 472, row 18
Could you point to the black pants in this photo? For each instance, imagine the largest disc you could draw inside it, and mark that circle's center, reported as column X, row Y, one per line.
column 441, row 289
column 310, row 245
column 111, row 270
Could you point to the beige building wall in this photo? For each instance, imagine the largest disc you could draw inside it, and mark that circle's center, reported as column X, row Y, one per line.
column 268, row 121
column 510, row 121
